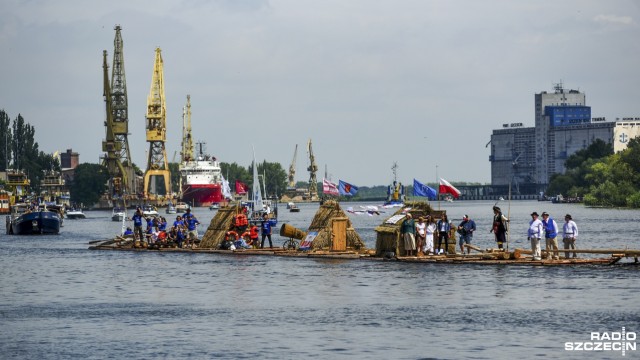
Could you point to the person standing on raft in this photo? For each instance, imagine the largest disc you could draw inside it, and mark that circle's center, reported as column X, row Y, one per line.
column 499, row 228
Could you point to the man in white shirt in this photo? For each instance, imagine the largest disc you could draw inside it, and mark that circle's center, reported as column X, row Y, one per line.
column 570, row 230
column 535, row 234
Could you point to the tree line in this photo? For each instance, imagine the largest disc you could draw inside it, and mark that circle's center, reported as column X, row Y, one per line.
column 20, row 151
column 602, row 177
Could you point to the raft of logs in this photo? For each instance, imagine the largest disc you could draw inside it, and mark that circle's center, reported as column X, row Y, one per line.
column 479, row 256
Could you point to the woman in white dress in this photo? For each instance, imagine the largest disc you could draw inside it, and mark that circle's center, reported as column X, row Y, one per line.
column 421, row 233
column 428, row 243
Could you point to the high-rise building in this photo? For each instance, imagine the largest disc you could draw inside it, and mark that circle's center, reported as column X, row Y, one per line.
column 526, row 158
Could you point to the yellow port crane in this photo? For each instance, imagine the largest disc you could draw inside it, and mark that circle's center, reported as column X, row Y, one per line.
column 187, row 153
column 110, row 146
column 312, row 168
column 292, row 170
column 157, row 165
column 117, row 157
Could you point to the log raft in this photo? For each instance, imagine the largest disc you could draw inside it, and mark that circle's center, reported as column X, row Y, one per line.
column 520, row 257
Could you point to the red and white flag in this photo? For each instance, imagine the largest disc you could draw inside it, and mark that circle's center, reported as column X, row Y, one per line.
column 241, row 188
column 329, row 188
column 447, row 188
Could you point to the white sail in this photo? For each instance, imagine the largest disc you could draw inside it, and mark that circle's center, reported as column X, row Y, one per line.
column 226, row 190
column 257, row 194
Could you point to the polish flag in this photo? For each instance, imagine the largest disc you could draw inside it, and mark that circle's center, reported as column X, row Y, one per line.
column 447, row 188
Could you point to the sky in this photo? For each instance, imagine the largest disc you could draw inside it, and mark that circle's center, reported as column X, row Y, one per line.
column 416, row 82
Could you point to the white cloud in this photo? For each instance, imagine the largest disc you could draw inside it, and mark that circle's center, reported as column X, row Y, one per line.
column 613, row 19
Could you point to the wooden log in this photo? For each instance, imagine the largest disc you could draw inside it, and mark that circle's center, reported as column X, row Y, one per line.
column 626, row 252
column 473, row 247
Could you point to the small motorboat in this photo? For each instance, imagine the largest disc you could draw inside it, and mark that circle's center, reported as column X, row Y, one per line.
column 75, row 213
column 294, row 208
column 148, row 210
column 214, row 207
column 117, row 214
column 182, row 207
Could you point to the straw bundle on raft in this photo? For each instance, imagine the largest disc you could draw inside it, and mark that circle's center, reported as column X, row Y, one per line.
column 322, row 223
column 389, row 238
column 220, row 224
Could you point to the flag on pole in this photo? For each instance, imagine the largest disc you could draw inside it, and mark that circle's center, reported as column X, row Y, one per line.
column 447, row 188
column 241, row 188
column 329, row 188
column 420, row 189
column 226, row 190
column 344, row 188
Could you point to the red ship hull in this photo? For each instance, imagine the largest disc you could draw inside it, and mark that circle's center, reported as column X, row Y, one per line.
column 202, row 195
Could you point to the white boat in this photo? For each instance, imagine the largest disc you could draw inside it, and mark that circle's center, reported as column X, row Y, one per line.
column 117, row 214
column 214, row 207
column 182, row 207
column 148, row 210
column 75, row 214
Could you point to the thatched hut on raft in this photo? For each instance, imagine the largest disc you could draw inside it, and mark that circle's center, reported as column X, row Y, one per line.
column 330, row 223
column 389, row 238
column 222, row 222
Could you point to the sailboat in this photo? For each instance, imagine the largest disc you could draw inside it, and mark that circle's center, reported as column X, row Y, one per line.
column 259, row 205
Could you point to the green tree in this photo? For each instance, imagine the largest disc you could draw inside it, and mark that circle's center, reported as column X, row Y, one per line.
column 89, row 183
column 5, row 140
column 233, row 172
column 175, row 177
column 597, row 150
column 275, row 178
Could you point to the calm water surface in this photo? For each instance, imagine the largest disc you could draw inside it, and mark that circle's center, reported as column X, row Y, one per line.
column 60, row 300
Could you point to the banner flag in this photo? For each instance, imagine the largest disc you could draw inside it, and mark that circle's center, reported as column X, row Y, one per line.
column 241, row 188
column 447, row 188
column 329, row 188
column 420, row 189
column 344, row 188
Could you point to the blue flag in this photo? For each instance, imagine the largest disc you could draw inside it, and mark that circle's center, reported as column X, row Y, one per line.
column 347, row 189
column 420, row 189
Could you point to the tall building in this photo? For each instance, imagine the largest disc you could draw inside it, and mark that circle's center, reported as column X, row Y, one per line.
column 526, row 158
column 69, row 159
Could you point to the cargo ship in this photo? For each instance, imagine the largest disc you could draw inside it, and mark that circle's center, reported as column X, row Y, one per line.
column 201, row 179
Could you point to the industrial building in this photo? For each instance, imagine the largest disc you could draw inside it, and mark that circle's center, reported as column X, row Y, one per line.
column 527, row 157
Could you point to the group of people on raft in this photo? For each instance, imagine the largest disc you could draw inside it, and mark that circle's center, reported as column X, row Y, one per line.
column 183, row 232
column 244, row 235
column 419, row 236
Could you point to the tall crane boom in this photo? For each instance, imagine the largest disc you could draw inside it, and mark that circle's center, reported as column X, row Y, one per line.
column 156, row 124
column 292, row 170
column 313, row 168
column 120, row 111
column 110, row 145
column 187, row 153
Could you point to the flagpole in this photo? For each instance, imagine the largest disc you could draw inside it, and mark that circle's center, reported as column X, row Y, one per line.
column 438, row 183
column 509, row 217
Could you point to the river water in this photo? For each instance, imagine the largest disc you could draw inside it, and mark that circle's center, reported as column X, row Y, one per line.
column 60, row 300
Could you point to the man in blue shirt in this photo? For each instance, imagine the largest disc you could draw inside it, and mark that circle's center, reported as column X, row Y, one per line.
column 192, row 224
column 265, row 227
column 186, row 216
column 137, row 224
column 466, row 229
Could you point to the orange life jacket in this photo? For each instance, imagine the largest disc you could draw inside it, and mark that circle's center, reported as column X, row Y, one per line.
column 241, row 220
column 253, row 232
